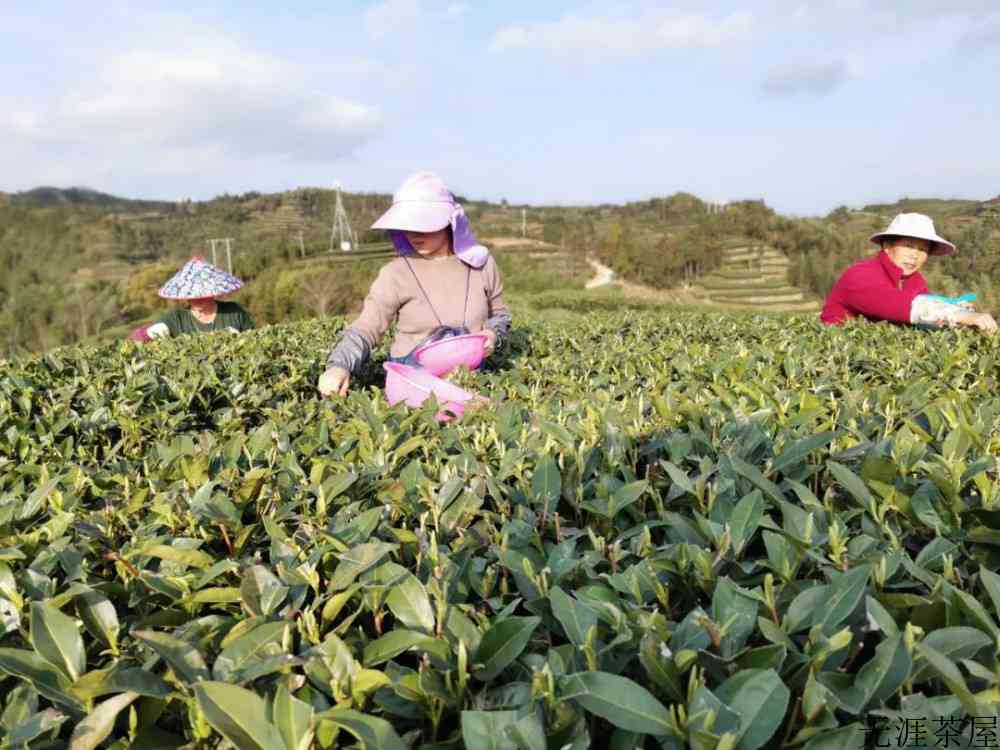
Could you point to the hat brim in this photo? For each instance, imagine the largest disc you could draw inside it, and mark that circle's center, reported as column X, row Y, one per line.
column 180, row 298
column 416, row 216
column 939, row 245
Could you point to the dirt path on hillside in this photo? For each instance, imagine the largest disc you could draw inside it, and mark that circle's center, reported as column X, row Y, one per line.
column 603, row 274
column 606, row 277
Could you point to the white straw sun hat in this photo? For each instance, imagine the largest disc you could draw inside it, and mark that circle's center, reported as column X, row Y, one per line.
column 918, row 226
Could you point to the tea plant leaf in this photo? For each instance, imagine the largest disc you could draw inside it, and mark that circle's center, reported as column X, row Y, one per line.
column 238, row 715
column 293, row 718
column 356, row 561
column 576, row 618
column 99, row 617
column 948, row 672
column 761, row 700
column 190, row 557
column 503, row 643
column 183, row 658
column 618, row 700
column 660, row 667
column 852, row 483
column 93, row 730
column 411, row 605
column 262, row 642
column 845, row 594
column 487, row 730
column 626, row 495
column 261, row 590
column 796, row 452
column 955, row 643
column 755, row 476
column 399, row 641
column 42, row 676
column 34, row 726
column 991, row 582
column 546, row 482
column 375, row 733
column 57, row 640
column 883, row 675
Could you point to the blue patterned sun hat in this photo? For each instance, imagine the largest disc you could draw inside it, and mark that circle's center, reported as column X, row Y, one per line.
column 197, row 280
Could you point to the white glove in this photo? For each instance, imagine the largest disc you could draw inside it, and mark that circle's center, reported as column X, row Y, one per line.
column 158, row 331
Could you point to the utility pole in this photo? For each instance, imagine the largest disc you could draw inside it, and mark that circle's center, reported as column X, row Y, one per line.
column 302, row 244
column 229, row 251
column 524, row 222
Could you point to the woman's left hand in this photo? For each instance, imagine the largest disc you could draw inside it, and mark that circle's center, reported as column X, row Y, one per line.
column 491, row 340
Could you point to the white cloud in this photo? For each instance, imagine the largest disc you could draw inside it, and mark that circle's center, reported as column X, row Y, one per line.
column 214, row 99
column 456, row 9
column 625, row 35
column 814, row 79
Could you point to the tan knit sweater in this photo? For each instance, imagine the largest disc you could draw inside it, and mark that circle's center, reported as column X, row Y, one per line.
column 396, row 295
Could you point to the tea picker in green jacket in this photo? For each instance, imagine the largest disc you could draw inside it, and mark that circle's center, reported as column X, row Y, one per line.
column 200, row 285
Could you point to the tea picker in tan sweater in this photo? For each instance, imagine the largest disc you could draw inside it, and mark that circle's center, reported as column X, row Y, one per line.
column 443, row 279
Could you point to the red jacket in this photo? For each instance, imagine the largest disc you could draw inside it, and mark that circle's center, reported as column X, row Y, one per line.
column 874, row 287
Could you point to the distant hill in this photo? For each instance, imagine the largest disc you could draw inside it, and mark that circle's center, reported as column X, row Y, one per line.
column 47, row 196
column 936, row 207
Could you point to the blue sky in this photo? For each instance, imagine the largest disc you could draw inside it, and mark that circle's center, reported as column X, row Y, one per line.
column 806, row 104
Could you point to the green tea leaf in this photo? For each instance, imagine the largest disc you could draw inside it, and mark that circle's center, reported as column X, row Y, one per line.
column 57, row 640
column 575, row 617
column 503, row 643
column 93, row 730
column 618, row 700
column 487, row 730
column 375, row 733
column 183, row 658
column 761, row 700
column 239, row 715
column 411, row 605
column 293, row 718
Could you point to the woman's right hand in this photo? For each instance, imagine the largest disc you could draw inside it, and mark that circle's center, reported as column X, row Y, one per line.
column 334, row 382
column 982, row 321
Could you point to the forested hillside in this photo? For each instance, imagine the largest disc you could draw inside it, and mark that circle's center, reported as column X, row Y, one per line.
column 80, row 265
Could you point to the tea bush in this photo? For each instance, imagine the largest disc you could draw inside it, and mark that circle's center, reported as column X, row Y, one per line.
column 670, row 529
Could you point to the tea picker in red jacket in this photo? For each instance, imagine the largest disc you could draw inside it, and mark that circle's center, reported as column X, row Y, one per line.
column 889, row 286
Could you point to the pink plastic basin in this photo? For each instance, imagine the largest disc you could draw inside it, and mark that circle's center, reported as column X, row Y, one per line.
column 413, row 386
column 441, row 357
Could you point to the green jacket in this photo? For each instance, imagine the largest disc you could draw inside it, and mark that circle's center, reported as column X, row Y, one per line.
column 228, row 315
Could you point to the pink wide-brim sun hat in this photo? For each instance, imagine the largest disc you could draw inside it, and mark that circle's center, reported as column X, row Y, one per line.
column 424, row 204
column 918, row 226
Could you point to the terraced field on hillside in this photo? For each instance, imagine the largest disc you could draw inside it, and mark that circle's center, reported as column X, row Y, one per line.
column 756, row 278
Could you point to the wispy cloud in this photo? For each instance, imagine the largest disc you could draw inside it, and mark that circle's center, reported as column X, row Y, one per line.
column 816, row 79
column 178, row 111
column 625, row 35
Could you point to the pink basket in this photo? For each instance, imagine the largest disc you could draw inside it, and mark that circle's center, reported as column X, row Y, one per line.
column 441, row 357
column 413, row 386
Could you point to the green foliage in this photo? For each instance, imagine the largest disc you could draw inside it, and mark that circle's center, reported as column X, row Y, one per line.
column 670, row 530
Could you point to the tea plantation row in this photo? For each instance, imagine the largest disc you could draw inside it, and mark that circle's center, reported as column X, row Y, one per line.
column 669, row 530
